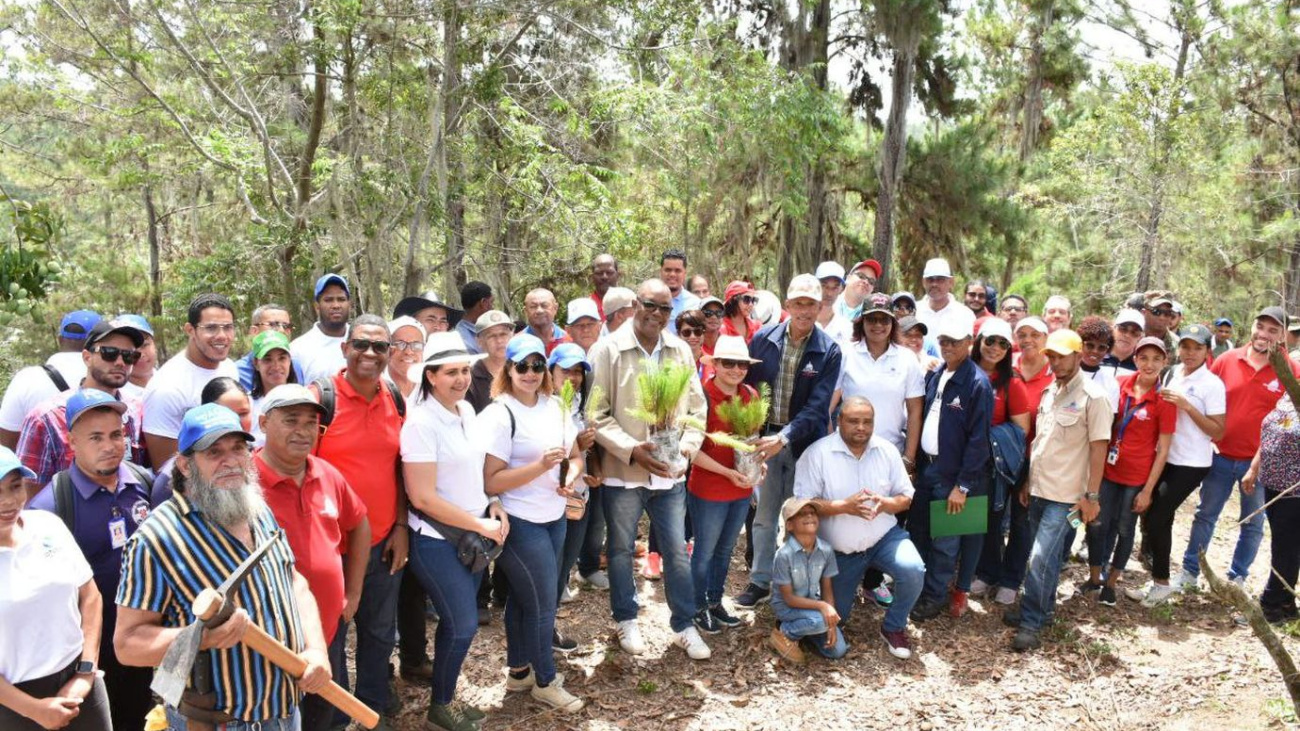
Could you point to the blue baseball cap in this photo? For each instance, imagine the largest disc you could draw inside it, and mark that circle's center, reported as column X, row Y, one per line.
column 328, row 279
column 568, row 355
column 85, row 400
column 77, row 324
column 138, row 322
column 1223, row 321
column 523, row 345
column 204, row 425
column 9, row 462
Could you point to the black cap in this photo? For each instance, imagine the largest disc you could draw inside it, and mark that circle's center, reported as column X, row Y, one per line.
column 104, row 328
column 1276, row 314
column 1198, row 333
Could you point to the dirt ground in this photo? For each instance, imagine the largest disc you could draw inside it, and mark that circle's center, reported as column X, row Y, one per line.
column 1185, row 666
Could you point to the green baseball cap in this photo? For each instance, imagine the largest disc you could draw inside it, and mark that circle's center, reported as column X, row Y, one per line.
column 269, row 340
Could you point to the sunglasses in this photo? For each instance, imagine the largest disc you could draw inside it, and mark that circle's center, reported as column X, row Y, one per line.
column 866, row 277
column 1002, row 343
column 535, row 366
column 712, row 313
column 749, row 299
column 731, row 364
column 379, row 346
column 689, row 332
column 1162, row 312
column 652, row 306
column 111, row 354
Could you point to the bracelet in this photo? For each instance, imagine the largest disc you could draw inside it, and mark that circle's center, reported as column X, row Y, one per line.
column 1092, row 497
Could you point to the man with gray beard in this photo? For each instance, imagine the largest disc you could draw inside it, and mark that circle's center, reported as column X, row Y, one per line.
column 215, row 519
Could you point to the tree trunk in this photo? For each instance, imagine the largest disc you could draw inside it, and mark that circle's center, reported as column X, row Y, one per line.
column 893, row 154
column 155, row 262
column 452, row 180
column 1032, row 121
column 1291, row 287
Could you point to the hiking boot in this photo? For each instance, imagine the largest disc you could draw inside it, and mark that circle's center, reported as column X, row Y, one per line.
column 897, row 642
column 1025, row 640
column 957, row 603
column 752, row 596
column 706, row 622
column 1011, row 618
column 629, row 637
column 555, row 696
column 723, row 617
column 471, row 712
column 786, row 648
column 689, row 640
column 448, row 718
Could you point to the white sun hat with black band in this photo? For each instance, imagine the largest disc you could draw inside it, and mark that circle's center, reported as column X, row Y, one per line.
column 444, row 348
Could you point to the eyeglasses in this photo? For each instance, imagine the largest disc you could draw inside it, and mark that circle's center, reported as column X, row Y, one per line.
column 213, row 328
column 652, row 306
column 689, row 332
column 976, row 295
column 904, row 308
column 866, row 277
column 535, row 366
column 111, row 354
column 1014, row 308
column 731, row 364
column 749, row 299
column 379, row 346
column 1002, row 343
column 414, row 347
column 280, row 325
column 712, row 313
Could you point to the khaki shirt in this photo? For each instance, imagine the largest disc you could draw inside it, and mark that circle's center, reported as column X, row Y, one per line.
column 1070, row 418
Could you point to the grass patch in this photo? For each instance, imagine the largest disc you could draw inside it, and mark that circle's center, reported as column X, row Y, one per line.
column 647, row 687
column 1163, row 612
column 1281, row 709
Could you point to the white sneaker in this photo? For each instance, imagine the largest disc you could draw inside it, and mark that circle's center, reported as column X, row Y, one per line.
column 689, row 640
column 629, row 637
column 555, row 696
column 1138, row 593
column 1239, row 581
column 598, row 579
column 1158, row 594
column 1006, row 596
column 1184, row 581
column 568, row 595
column 978, row 588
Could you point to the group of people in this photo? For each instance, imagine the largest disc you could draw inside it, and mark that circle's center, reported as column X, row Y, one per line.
column 910, row 451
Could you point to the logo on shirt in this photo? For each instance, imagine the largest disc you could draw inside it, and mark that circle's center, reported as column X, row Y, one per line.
column 329, row 510
column 808, row 371
column 1071, row 409
column 955, row 403
column 1274, row 386
column 139, row 511
column 1142, row 415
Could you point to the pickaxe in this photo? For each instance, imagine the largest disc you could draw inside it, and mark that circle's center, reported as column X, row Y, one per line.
column 212, row 608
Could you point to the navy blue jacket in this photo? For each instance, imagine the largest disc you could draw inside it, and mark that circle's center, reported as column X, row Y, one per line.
column 967, row 413
column 819, row 369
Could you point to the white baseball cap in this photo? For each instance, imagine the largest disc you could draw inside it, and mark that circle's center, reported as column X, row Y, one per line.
column 804, row 286
column 1130, row 317
column 1035, row 323
column 951, row 327
column 995, row 327
column 580, row 308
column 937, row 268
column 829, row 269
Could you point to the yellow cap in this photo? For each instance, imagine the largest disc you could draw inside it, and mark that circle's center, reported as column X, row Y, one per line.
column 1064, row 342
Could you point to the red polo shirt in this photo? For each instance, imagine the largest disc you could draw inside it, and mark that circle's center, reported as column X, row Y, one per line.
column 600, row 305
column 1034, row 388
column 711, row 485
column 1152, row 416
column 1251, row 395
column 316, row 519
column 364, row 441
column 1018, row 393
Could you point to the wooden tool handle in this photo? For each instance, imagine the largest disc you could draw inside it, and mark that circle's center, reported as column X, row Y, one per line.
column 209, row 603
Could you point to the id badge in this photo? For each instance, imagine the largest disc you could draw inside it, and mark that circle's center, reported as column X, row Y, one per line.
column 1112, row 456
column 117, row 532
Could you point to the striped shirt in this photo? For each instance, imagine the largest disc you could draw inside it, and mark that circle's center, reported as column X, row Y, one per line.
column 176, row 554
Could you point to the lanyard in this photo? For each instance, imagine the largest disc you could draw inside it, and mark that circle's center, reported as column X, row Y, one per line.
column 1128, row 416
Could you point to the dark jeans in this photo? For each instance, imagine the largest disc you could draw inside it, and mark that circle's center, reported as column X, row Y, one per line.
column 411, row 619
column 1003, row 564
column 717, row 524
column 452, row 588
column 129, row 699
column 1284, row 525
column 1111, row 539
column 593, row 533
column 317, row 712
column 667, row 509
column 94, row 714
column 376, row 621
column 531, row 562
column 1176, row 484
column 941, row 554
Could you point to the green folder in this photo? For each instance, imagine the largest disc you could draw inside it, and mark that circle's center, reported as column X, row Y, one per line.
column 973, row 519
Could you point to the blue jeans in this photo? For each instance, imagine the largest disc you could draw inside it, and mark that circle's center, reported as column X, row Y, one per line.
column 1215, row 491
column 777, row 487
column 1047, row 520
column 1112, row 537
column 1003, row 564
column 940, row 554
column 798, row 624
column 667, row 509
column 453, row 590
column 593, row 534
column 376, row 621
column 717, row 526
column 177, row 722
column 893, row 554
column 531, row 560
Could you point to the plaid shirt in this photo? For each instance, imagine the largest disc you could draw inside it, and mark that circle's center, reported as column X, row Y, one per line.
column 791, row 354
column 43, row 445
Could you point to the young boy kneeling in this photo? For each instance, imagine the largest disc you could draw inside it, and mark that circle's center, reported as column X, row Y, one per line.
column 802, row 599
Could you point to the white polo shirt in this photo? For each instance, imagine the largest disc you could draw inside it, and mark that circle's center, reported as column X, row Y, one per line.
column 954, row 311
column 1192, row 447
column 174, row 389
column 829, row 471
column 432, row 434
column 318, row 354
column 537, row 428
column 840, row 329
column 886, row 382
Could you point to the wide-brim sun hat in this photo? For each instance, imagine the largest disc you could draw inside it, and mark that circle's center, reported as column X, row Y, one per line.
column 444, row 348
column 729, row 347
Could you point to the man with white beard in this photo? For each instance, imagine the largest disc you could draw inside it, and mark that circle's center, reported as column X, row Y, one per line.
column 215, row 519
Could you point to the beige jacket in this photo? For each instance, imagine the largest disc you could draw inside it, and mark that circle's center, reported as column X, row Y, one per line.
column 616, row 361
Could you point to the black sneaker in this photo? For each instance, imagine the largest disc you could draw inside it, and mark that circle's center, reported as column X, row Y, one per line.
column 1025, row 640
column 752, row 596
column 706, row 622
column 724, row 618
column 1087, row 589
column 560, row 643
column 1106, row 596
column 1011, row 618
column 927, row 609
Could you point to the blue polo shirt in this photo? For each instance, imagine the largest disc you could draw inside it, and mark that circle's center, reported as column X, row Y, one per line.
column 96, row 507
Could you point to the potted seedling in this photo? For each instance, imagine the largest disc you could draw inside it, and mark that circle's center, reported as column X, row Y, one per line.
column 660, row 390
column 745, row 420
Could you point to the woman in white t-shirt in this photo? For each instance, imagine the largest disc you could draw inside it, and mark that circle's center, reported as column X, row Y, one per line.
column 49, row 619
column 527, row 437
column 1201, row 400
column 443, row 467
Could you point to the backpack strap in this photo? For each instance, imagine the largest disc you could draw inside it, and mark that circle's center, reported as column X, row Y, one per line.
column 141, row 474
column 325, row 389
column 510, row 412
column 398, row 399
column 59, row 381
column 65, row 503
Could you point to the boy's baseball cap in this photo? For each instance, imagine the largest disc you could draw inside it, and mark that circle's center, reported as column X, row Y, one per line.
column 792, row 506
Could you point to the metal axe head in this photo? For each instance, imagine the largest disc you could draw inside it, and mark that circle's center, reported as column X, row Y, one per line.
column 211, row 609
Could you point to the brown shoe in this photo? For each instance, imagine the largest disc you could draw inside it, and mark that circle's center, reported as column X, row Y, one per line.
column 785, row 647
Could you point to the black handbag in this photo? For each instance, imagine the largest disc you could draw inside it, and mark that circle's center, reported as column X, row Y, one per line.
column 473, row 550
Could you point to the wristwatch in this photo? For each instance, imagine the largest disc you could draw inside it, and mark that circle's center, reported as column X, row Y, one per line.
column 85, row 667
column 963, row 489
column 1092, row 497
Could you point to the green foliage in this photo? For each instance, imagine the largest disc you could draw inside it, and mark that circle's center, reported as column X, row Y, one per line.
column 744, row 419
column 660, row 388
column 595, row 399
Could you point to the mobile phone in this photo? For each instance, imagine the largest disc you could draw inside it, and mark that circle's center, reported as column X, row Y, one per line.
column 1075, row 517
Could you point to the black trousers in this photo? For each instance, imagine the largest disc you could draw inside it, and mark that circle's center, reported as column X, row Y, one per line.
column 1284, row 525
column 1177, row 482
column 94, row 714
column 129, row 698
